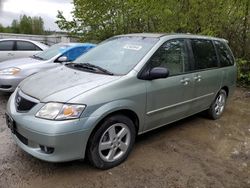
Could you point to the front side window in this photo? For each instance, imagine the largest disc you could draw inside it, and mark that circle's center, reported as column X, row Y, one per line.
column 6, row 45
column 26, row 46
column 204, row 54
column 171, row 55
column 225, row 55
column 118, row 55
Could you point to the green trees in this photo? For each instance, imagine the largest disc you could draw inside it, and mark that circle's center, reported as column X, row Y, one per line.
column 37, row 25
column 101, row 19
column 25, row 25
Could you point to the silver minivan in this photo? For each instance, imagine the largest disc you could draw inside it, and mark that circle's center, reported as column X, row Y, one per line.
column 128, row 85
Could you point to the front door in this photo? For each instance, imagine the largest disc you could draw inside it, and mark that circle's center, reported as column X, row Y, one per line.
column 6, row 50
column 169, row 99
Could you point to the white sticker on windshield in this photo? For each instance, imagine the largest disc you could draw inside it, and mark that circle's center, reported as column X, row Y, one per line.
column 132, row 47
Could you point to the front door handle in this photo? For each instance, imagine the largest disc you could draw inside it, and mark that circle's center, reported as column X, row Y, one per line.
column 185, row 81
column 197, row 78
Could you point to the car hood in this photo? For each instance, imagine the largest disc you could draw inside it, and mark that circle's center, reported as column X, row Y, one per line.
column 19, row 63
column 62, row 84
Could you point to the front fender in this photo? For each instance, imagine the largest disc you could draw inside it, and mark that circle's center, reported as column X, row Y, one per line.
column 114, row 106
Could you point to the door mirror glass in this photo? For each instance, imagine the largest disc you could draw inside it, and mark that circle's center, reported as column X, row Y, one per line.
column 157, row 73
column 62, row 59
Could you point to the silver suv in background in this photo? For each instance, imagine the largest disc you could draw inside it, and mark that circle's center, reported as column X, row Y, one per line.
column 127, row 85
column 18, row 48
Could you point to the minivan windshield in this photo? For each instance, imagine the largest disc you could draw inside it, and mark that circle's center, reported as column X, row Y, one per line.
column 52, row 51
column 118, row 55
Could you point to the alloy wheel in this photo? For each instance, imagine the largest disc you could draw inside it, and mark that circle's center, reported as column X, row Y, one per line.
column 114, row 142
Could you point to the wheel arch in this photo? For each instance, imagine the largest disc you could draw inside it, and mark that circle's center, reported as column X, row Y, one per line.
column 226, row 88
column 127, row 112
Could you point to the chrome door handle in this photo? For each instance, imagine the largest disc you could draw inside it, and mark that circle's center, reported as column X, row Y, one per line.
column 197, row 78
column 185, row 81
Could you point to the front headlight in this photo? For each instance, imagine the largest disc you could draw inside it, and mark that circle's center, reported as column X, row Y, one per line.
column 60, row 111
column 10, row 71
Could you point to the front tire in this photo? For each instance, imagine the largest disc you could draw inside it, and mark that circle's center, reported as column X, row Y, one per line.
column 218, row 106
column 112, row 142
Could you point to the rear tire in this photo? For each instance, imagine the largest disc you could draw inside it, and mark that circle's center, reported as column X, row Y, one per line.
column 218, row 106
column 112, row 142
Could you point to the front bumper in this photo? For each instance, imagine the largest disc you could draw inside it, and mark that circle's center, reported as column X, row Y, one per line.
column 9, row 83
column 67, row 138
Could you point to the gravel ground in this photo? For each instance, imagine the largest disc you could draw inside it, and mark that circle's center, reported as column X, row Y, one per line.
column 195, row 152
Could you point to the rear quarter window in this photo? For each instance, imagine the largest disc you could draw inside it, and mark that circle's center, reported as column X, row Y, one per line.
column 225, row 56
column 204, row 54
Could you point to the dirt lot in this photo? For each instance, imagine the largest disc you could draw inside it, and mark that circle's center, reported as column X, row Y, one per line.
column 195, row 152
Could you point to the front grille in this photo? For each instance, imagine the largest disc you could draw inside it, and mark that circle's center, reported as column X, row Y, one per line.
column 23, row 104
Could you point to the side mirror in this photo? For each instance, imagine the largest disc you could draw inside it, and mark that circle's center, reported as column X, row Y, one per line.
column 62, row 59
column 157, row 73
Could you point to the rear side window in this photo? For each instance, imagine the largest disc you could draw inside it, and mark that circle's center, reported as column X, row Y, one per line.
column 204, row 54
column 6, row 45
column 171, row 55
column 26, row 46
column 225, row 55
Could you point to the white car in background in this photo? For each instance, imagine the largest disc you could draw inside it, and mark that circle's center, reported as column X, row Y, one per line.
column 18, row 48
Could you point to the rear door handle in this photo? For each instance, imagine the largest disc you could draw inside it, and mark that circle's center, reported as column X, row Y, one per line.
column 185, row 81
column 197, row 78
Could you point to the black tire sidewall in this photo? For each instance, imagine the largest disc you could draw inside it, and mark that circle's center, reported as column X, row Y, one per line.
column 93, row 145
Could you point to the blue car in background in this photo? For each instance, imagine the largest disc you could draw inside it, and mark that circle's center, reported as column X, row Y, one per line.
column 12, row 72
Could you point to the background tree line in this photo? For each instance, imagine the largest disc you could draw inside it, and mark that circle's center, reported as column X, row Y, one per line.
column 25, row 25
column 229, row 19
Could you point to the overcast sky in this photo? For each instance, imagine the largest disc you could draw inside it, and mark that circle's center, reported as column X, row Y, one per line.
column 47, row 9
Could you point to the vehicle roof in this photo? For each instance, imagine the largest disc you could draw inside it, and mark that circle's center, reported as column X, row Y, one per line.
column 149, row 35
column 17, row 39
column 172, row 35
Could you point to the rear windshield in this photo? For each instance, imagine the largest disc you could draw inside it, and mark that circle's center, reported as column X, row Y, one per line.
column 119, row 55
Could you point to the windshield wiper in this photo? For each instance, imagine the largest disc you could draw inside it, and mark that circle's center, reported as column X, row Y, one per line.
column 99, row 68
column 90, row 67
column 37, row 57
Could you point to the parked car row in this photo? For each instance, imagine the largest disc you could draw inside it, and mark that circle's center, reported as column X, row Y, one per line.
column 13, row 71
column 95, row 106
